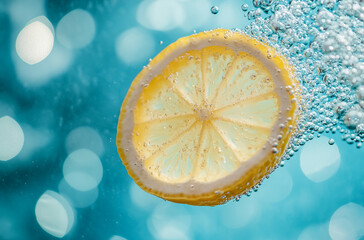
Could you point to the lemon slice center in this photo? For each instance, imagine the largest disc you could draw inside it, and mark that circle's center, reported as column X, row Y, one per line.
column 204, row 114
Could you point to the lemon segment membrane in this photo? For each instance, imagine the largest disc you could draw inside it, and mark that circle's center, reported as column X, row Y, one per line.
column 208, row 118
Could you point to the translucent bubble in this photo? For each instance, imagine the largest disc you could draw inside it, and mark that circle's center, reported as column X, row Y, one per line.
column 214, row 9
column 353, row 118
column 256, row 3
column 35, row 41
column 324, row 17
column 329, row 3
column 282, row 19
column 331, row 141
column 319, row 161
column 83, row 170
column 134, row 45
column 54, row 214
column 244, row 7
column 78, row 199
column 76, row 29
column 347, row 222
column 265, row 4
column 360, row 129
column 11, row 138
column 84, row 137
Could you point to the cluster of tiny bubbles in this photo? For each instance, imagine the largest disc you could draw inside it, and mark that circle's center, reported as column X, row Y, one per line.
column 214, row 9
column 323, row 41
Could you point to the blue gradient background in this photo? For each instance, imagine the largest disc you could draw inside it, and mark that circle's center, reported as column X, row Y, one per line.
column 90, row 93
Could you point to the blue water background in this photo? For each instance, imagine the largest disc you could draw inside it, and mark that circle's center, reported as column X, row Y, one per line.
column 90, row 93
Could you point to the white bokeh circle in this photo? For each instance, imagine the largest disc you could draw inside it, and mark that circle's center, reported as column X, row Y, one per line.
column 35, row 42
column 11, row 138
column 319, row 160
column 134, row 46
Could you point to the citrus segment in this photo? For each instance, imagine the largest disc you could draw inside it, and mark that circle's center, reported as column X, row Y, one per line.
column 203, row 121
column 174, row 162
column 184, row 73
column 150, row 107
column 216, row 158
column 149, row 137
column 216, row 62
column 244, row 140
column 261, row 110
column 247, row 77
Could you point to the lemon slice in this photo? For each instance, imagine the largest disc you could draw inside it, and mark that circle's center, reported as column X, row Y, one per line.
column 208, row 118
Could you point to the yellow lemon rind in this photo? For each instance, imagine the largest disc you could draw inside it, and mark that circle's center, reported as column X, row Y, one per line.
column 256, row 172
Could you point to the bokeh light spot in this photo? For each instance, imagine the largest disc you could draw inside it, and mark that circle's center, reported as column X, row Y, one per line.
column 76, row 29
column 319, row 231
column 347, row 222
column 115, row 237
column 78, row 199
column 84, row 137
column 194, row 17
column 319, row 160
column 83, row 170
column 162, row 15
column 11, row 138
column 34, row 42
column 141, row 198
column 277, row 187
column 54, row 214
column 35, row 139
column 134, row 45
column 230, row 15
column 39, row 74
column 238, row 215
column 169, row 222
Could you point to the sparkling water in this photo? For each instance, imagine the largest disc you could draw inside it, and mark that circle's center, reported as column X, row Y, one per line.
column 60, row 174
column 324, row 42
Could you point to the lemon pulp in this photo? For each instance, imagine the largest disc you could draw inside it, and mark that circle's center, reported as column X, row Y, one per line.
column 208, row 118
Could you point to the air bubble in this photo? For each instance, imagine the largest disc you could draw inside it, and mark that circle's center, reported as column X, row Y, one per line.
column 256, row 3
column 244, row 7
column 214, row 9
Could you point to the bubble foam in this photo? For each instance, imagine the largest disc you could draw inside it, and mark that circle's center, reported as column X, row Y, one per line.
column 323, row 41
